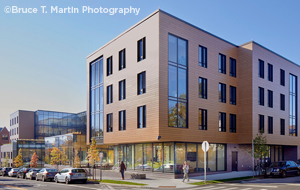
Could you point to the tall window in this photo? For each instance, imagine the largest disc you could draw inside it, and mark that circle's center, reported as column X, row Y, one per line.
column 293, row 105
column 270, row 98
column 270, row 125
column 282, row 102
column 122, row 90
column 261, row 68
column 109, row 122
column 222, row 92
column 122, row 120
column 202, row 119
column 222, row 63
column 232, row 123
column 202, row 88
column 203, row 56
column 261, row 123
column 232, row 95
column 122, row 60
column 261, row 96
column 282, row 126
column 141, row 78
column 270, row 72
column 222, row 122
column 141, row 49
column 232, row 67
column 96, row 99
column 109, row 66
column 177, row 82
column 141, row 122
column 282, row 77
column 109, row 92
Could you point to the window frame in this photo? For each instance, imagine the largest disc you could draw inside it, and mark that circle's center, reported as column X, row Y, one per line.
column 109, row 66
column 143, row 85
column 203, row 124
column 282, row 77
column 282, row 126
column 270, row 72
column 222, row 93
column 203, row 88
column 261, row 96
column 109, row 94
column 222, row 63
column 232, row 125
column 141, row 57
column 261, row 123
column 270, row 125
column 121, row 67
column 232, row 95
column 232, row 67
column 261, row 68
column 203, row 61
column 222, row 122
column 109, row 122
column 124, row 120
column 270, row 98
column 122, row 95
column 282, row 102
column 144, row 116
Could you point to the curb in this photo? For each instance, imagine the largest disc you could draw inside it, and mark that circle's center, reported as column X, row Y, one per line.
column 124, row 185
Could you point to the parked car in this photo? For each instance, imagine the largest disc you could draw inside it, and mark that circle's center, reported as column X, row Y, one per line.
column 5, row 171
column 13, row 172
column 46, row 174
column 298, row 163
column 22, row 172
column 68, row 175
column 31, row 174
column 282, row 169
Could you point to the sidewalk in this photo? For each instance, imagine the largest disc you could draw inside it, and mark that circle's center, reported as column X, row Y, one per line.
column 159, row 182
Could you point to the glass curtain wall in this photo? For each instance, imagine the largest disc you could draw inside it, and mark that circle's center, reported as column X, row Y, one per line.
column 48, row 123
column 178, row 63
column 96, row 99
column 29, row 147
column 192, row 157
column 169, row 157
column 293, row 106
column 157, row 157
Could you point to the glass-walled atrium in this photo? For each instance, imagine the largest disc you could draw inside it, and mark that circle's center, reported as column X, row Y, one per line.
column 49, row 123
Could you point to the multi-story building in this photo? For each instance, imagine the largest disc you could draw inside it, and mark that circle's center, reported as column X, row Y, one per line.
column 162, row 87
column 4, row 136
column 29, row 128
column 22, row 125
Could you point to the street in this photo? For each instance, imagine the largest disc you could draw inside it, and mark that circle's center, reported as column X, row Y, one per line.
column 289, row 183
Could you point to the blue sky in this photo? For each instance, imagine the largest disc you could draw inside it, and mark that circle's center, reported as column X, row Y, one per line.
column 43, row 56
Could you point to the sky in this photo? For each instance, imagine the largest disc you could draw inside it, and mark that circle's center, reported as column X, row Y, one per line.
column 43, row 55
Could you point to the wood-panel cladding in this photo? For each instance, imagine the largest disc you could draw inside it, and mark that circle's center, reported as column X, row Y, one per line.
column 275, row 112
column 196, row 37
column 128, row 40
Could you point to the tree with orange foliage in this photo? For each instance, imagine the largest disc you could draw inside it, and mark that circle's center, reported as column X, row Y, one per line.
column 34, row 159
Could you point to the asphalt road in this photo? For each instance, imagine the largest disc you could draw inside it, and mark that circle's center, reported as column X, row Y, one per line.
column 289, row 183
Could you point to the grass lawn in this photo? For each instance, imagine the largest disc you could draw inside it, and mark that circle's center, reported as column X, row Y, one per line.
column 221, row 180
column 119, row 182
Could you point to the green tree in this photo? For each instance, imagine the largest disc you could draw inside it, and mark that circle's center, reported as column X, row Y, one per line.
column 55, row 156
column 261, row 149
column 18, row 161
column 6, row 162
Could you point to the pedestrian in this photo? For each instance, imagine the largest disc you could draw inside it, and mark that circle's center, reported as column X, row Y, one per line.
column 122, row 169
column 185, row 171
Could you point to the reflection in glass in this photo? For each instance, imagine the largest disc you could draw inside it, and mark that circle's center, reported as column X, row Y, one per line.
column 168, row 157
column 138, row 157
column 182, row 51
column 157, row 157
column 172, row 49
column 130, row 156
column 221, row 157
column 211, row 159
column 147, row 157
column 182, row 115
column 200, row 159
column 172, row 113
column 172, row 81
column 180, row 157
column 192, row 157
column 182, row 83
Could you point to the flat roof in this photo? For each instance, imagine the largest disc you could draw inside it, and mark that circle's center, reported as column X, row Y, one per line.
column 159, row 10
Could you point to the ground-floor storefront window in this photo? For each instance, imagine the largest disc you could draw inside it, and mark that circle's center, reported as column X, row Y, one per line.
column 169, row 157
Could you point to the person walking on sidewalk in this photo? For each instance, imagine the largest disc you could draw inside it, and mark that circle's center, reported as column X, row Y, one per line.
column 186, row 171
column 122, row 169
